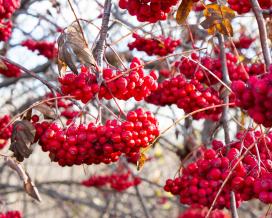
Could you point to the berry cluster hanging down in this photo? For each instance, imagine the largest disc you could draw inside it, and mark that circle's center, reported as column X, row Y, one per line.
column 94, row 144
column 5, row 132
column 10, row 70
column 160, row 46
column 244, row 6
column 197, row 212
column 118, row 181
column 255, row 96
column 136, row 84
column 249, row 178
column 191, row 68
column 11, row 214
column 187, row 95
column 47, row 49
column 148, row 10
column 7, row 8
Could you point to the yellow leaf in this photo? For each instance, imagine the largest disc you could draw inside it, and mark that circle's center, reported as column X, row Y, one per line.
column 183, row 10
column 141, row 161
column 218, row 18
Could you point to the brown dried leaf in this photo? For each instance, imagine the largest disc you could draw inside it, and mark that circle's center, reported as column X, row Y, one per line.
column 269, row 28
column 46, row 111
column 218, row 18
column 141, row 161
column 184, row 10
column 22, row 138
column 3, row 66
column 29, row 186
column 72, row 47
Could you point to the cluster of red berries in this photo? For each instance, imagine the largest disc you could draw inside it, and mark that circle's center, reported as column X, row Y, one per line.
column 8, row 7
column 197, row 212
column 243, row 42
column 11, row 214
column 201, row 179
column 5, row 31
column 116, row 85
column 255, row 96
column 47, row 49
column 191, row 68
column 5, row 132
column 148, row 10
column 160, row 46
column 244, row 6
column 118, row 181
column 11, row 70
column 94, row 144
column 189, row 95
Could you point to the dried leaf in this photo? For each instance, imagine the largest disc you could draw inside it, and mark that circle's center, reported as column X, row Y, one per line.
column 269, row 28
column 218, row 18
column 29, row 186
column 72, row 47
column 22, row 138
column 141, row 161
column 183, row 10
column 46, row 111
column 3, row 66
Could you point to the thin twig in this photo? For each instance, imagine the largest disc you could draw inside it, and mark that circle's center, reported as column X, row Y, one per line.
column 225, row 116
column 262, row 31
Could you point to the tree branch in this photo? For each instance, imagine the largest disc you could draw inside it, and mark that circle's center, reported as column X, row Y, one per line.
column 262, row 31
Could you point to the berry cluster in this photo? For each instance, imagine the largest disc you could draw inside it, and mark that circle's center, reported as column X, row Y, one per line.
column 244, row 6
column 187, row 95
column 11, row 214
column 47, row 49
column 148, row 10
column 5, row 132
column 160, row 46
column 8, row 7
column 11, row 70
column 255, row 96
column 243, row 42
column 84, row 86
column 94, row 144
column 196, row 212
column 5, row 31
column 118, row 181
column 201, row 179
column 191, row 68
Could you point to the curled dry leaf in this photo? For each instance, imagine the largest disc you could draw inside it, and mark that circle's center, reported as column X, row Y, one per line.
column 184, row 10
column 29, row 186
column 22, row 138
column 218, row 18
column 141, row 161
column 46, row 111
column 72, row 47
